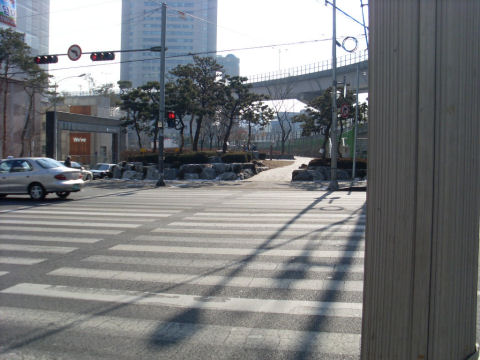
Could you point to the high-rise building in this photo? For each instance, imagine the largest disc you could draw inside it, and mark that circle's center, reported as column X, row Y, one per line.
column 191, row 29
column 33, row 20
column 230, row 63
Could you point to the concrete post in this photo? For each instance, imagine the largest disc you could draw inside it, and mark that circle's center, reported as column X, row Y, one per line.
column 421, row 261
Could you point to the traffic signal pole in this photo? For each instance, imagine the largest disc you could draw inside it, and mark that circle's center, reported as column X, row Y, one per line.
column 161, row 105
column 333, row 186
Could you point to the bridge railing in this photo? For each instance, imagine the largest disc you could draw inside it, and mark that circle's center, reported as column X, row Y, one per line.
column 345, row 60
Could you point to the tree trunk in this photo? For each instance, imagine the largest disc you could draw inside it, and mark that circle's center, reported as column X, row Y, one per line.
column 325, row 142
column 227, row 135
column 192, row 118
column 197, row 133
column 31, row 98
column 138, row 136
column 249, row 134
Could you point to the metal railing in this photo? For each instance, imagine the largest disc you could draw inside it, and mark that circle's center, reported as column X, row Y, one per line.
column 345, row 60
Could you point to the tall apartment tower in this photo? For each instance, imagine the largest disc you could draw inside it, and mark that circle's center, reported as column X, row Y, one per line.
column 191, row 28
column 33, row 20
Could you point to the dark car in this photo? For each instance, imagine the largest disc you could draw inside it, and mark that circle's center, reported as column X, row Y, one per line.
column 102, row 170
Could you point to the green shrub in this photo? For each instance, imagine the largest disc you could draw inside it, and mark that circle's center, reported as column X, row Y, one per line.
column 187, row 158
column 343, row 163
column 239, row 157
column 262, row 156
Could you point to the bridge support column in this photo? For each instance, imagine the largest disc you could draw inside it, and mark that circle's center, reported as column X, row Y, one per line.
column 421, row 261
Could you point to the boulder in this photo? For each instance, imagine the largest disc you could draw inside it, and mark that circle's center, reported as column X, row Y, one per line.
column 138, row 166
column 117, row 172
column 170, row 174
column 251, row 167
column 132, row 175
column 208, row 173
column 191, row 176
column 246, row 174
column 227, row 176
column 302, row 175
column 152, row 173
column 237, row 167
column 343, row 175
column 262, row 168
column 220, row 168
column 191, row 169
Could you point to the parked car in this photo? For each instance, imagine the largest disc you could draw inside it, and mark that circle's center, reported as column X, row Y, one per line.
column 38, row 177
column 87, row 174
column 102, row 170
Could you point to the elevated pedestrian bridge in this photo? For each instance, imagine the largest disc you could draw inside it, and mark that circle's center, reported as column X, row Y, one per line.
column 306, row 82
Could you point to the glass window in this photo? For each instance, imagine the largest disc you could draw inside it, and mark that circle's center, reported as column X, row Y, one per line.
column 20, row 166
column 48, row 163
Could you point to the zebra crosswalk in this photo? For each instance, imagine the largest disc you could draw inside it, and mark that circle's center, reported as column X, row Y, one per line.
column 184, row 273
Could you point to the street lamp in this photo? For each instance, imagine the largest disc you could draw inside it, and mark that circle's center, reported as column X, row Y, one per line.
column 55, row 121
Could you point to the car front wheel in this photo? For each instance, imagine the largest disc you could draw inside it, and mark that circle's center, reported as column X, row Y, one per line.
column 63, row 194
column 37, row 192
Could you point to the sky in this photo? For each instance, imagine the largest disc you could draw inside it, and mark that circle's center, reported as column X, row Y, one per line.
column 305, row 25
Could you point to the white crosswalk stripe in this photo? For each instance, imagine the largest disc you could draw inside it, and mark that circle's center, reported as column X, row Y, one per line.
column 20, row 260
column 217, row 269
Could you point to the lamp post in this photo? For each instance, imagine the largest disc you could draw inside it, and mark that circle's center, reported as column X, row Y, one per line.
column 333, row 186
column 55, row 120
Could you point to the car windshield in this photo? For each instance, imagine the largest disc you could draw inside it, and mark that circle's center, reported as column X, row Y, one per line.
column 101, row 167
column 48, row 163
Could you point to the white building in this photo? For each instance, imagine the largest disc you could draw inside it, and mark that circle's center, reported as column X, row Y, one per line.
column 191, row 28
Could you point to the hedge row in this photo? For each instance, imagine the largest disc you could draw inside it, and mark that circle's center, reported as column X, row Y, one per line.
column 190, row 158
column 344, row 163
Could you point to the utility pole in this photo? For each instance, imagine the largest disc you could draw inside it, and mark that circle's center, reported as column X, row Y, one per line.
column 161, row 101
column 355, row 126
column 333, row 186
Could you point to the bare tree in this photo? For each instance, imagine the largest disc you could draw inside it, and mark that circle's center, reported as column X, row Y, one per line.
column 280, row 93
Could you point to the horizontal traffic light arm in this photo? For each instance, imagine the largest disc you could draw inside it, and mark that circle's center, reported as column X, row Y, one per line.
column 107, row 55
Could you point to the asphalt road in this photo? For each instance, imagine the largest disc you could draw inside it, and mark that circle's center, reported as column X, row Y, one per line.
column 124, row 270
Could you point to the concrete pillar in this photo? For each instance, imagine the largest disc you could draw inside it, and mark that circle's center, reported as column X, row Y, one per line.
column 421, row 261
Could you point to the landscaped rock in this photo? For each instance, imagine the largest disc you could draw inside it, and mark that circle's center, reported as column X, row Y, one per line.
column 220, row 168
column 227, row 176
column 302, row 175
column 170, row 174
column 246, row 174
column 138, row 166
column 132, row 175
column 237, row 167
column 117, row 172
column 152, row 173
column 208, row 173
column 251, row 167
column 191, row 169
column 190, row 176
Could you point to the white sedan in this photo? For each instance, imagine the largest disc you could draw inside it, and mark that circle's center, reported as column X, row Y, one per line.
column 37, row 177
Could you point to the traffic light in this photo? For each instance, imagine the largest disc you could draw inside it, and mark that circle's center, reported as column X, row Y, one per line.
column 45, row 59
column 102, row 56
column 171, row 119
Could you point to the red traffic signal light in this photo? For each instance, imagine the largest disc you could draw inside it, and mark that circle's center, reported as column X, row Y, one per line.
column 45, row 59
column 171, row 119
column 102, row 56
